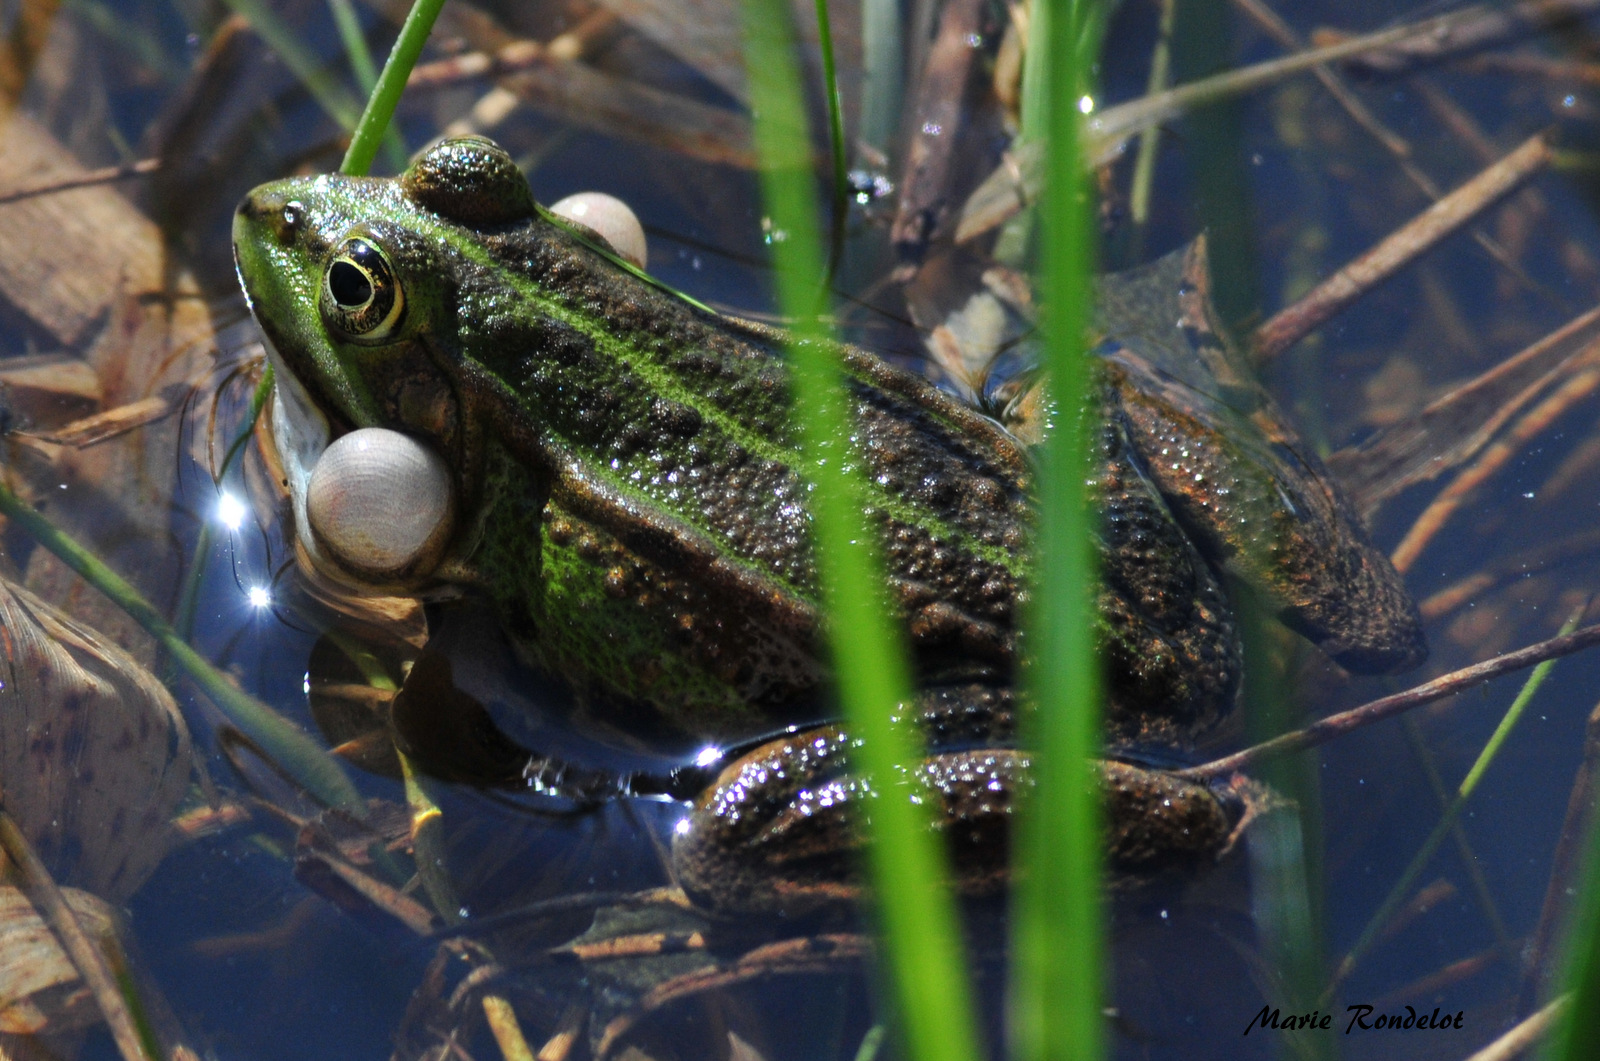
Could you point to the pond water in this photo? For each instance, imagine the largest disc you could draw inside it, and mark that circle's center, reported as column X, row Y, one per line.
column 246, row 936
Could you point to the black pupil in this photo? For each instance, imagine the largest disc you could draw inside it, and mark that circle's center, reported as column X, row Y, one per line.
column 349, row 285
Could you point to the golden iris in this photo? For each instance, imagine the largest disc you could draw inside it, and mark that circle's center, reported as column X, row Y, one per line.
column 361, row 299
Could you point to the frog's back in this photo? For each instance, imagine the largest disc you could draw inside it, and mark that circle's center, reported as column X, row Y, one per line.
column 664, row 435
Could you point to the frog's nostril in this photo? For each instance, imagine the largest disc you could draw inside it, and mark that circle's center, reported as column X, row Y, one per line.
column 292, row 218
column 284, row 218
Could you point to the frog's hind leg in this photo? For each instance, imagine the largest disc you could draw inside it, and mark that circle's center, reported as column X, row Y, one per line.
column 780, row 829
column 1167, row 630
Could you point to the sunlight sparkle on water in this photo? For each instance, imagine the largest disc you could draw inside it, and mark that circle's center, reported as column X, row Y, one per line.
column 230, row 510
column 259, row 596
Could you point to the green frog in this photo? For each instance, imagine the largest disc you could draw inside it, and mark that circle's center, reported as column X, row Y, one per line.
column 621, row 479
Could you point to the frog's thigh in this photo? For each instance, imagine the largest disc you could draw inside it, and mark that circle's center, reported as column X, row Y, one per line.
column 1167, row 629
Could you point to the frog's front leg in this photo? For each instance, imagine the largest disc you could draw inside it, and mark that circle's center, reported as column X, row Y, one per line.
column 780, row 828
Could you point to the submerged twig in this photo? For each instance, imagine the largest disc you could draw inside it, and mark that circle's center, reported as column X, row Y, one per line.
column 507, row 1032
column 1564, row 72
column 1015, row 183
column 1444, row 217
column 1525, row 1034
column 930, row 155
column 93, row 178
column 1516, row 566
column 1423, row 902
column 1362, row 115
column 1111, row 126
column 1455, row 427
column 616, row 106
column 410, row 913
column 559, row 1046
column 1470, row 29
column 548, row 77
column 1387, row 706
column 1435, row 982
column 1477, row 140
column 1532, row 424
column 134, row 1043
column 100, row 427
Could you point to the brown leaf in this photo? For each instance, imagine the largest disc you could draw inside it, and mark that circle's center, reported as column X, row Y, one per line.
column 97, row 241
column 49, row 388
column 39, row 986
column 94, row 755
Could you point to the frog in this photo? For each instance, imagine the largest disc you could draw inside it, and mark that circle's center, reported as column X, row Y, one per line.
column 628, row 493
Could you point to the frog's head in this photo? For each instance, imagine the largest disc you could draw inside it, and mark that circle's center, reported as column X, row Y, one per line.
column 352, row 280
column 349, row 277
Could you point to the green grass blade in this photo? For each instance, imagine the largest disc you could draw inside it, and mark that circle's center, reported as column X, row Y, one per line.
column 385, row 97
column 1284, row 845
column 923, row 955
column 134, row 38
column 325, row 89
column 1058, row 923
column 355, row 44
column 882, row 51
column 1576, row 1036
column 360, row 57
column 840, row 199
column 286, row 744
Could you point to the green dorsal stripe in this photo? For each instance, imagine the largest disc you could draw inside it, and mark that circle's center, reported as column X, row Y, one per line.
column 669, row 385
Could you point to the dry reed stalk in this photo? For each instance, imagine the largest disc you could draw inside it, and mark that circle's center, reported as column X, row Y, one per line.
column 1401, row 247
column 1494, row 457
column 1327, row 729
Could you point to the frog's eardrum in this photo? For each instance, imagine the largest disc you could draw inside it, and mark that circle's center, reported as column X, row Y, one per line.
column 470, row 180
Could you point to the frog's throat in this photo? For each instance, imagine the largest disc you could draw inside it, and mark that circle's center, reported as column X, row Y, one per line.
column 300, row 433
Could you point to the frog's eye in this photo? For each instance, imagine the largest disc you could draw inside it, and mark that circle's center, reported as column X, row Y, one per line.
column 361, row 298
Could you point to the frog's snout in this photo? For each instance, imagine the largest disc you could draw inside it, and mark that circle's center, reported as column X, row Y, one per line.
column 270, row 211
